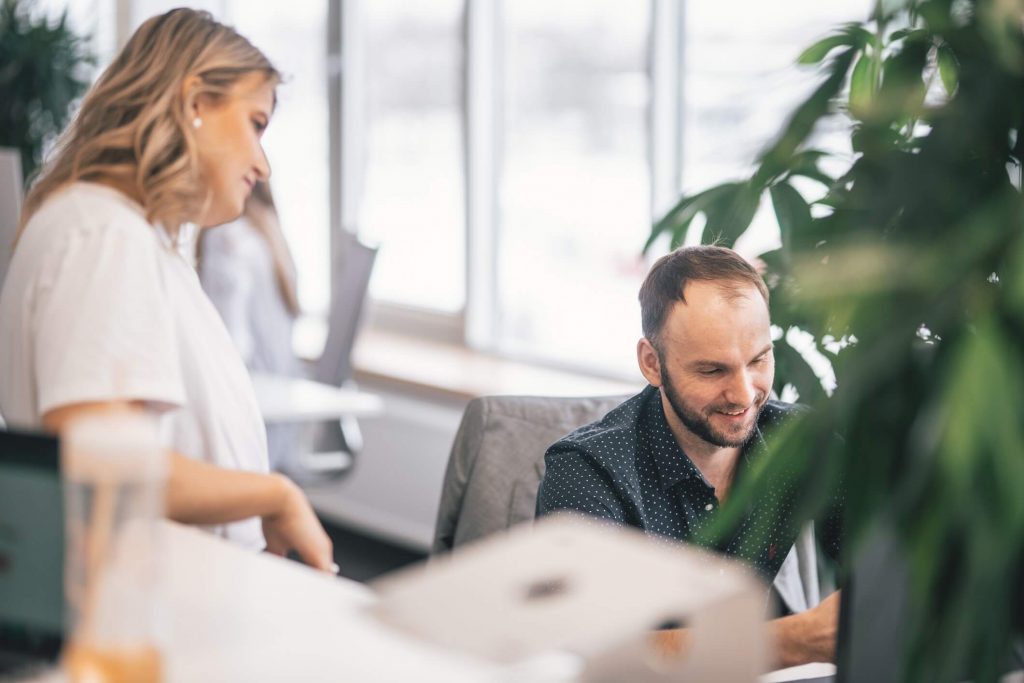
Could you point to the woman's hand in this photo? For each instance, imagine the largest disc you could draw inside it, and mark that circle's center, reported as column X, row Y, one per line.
column 294, row 526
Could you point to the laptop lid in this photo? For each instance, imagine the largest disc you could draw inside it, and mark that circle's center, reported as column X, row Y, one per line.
column 31, row 546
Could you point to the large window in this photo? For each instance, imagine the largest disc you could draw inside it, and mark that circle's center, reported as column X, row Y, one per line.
column 574, row 195
column 294, row 36
column 564, row 128
column 412, row 202
column 508, row 156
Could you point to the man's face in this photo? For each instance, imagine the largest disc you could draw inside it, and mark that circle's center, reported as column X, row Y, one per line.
column 716, row 362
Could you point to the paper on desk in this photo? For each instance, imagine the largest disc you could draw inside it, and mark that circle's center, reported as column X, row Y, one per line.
column 799, row 673
column 575, row 585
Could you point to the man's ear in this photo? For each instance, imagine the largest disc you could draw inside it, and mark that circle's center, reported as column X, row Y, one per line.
column 650, row 363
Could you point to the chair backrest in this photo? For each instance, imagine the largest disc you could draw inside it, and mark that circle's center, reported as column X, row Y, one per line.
column 10, row 204
column 351, row 280
column 497, row 461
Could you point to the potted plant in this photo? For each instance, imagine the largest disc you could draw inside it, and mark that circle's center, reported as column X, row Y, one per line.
column 914, row 259
column 43, row 69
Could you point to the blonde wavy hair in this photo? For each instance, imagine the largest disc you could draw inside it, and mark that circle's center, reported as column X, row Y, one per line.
column 134, row 126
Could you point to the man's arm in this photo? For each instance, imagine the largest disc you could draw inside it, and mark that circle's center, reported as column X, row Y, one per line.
column 574, row 482
column 797, row 639
column 808, row 636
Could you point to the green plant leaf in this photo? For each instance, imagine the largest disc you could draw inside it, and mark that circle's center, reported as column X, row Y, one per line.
column 902, row 90
column 730, row 214
column 792, row 213
column 817, row 52
column 796, row 371
column 43, row 68
column 679, row 217
column 805, row 164
column 807, row 115
column 862, row 86
column 949, row 70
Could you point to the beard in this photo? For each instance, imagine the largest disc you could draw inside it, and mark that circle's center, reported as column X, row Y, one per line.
column 699, row 423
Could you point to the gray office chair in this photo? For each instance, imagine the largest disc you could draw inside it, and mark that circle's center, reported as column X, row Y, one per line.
column 338, row 443
column 497, row 462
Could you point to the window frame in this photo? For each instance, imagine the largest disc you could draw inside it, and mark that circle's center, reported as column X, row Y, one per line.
column 476, row 326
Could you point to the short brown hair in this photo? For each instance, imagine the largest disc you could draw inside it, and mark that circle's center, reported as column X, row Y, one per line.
column 670, row 274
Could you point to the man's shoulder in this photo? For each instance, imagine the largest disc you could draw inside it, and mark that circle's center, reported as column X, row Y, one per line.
column 611, row 439
column 778, row 412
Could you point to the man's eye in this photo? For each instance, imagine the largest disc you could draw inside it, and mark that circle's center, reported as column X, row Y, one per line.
column 260, row 126
column 711, row 373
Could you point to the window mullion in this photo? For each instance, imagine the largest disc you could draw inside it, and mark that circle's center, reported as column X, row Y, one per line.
column 482, row 74
column 666, row 76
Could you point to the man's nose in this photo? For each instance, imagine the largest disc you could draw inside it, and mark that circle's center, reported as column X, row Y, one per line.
column 741, row 390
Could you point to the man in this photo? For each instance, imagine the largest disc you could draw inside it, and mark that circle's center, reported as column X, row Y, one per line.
column 666, row 459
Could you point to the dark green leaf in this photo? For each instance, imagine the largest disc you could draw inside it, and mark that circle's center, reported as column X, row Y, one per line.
column 949, row 70
column 817, row 52
column 730, row 214
column 807, row 115
column 792, row 213
column 862, row 86
column 797, row 372
column 902, row 91
column 682, row 214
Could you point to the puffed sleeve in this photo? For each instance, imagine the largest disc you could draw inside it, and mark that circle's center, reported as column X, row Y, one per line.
column 102, row 321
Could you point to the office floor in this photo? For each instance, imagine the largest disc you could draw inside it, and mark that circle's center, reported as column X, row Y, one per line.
column 364, row 558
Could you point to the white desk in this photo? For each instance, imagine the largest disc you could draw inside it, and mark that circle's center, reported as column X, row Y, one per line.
column 240, row 616
column 236, row 616
column 288, row 399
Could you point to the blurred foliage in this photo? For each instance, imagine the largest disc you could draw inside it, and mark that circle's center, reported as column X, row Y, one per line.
column 917, row 252
column 43, row 70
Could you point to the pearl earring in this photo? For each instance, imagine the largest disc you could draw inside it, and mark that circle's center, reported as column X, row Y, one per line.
column 197, row 122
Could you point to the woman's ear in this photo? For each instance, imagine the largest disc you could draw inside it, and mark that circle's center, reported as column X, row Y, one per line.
column 650, row 362
column 189, row 95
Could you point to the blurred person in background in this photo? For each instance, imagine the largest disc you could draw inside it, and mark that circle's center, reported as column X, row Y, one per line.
column 101, row 308
column 248, row 272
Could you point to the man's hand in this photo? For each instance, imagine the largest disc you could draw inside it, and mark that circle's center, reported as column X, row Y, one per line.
column 798, row 639
column 809, row 636
column 294, row 526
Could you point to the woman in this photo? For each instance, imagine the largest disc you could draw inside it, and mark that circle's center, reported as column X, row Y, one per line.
column 99, row 307
column 247, row 271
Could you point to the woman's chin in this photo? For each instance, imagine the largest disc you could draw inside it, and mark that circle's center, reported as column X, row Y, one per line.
column 221, row 215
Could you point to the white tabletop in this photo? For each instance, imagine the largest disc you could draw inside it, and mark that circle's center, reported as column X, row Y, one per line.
column 288, row 399
column 235, row 615
column 240, row 616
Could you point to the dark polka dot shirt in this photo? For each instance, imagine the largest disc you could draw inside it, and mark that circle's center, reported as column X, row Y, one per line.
column 628, row 469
